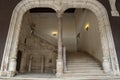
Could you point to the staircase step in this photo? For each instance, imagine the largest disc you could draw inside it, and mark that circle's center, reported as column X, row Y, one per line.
column 84, row 74
column 85, row 71
column 82, row 63
column 84, row 67
column 79, row 70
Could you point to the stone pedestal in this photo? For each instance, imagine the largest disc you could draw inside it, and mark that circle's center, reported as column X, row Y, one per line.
column 12, row 67
column 106, row 66
column 59, row 68
column 11, row 73
column 3, row 73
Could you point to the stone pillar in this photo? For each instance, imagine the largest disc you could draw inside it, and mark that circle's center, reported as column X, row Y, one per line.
column 114, row 11
column 12, row 67
column 59, row 58
column 106, row 65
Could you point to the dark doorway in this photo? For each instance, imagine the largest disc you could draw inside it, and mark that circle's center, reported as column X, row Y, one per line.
column 19, row 55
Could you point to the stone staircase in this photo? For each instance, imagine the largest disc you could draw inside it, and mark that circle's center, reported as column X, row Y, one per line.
column 81, row 64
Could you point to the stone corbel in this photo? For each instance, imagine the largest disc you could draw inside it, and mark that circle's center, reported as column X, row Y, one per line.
column 114, row 11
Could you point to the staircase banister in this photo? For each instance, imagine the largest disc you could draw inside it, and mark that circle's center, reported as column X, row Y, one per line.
column 47, row 37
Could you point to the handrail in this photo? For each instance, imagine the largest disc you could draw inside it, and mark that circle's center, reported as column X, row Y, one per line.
column 46, row 37
column 64, row 58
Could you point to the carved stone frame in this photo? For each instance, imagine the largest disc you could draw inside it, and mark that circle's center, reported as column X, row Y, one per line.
column 110, row 62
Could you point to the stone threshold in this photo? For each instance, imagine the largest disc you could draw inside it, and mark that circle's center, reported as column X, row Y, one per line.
column 64, row 78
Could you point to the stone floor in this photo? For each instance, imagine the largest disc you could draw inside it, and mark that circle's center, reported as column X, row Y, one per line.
column 37, row 76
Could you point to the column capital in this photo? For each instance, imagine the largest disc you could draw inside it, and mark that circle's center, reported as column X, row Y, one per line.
column 114, row 10
column 59, row 14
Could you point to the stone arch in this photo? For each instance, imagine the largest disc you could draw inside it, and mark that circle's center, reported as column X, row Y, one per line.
column 110, row 62
column 14, row 30
column 108, row 47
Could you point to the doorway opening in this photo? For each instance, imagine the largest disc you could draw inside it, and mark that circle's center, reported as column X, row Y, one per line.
column 81, row 37
column 36, row 43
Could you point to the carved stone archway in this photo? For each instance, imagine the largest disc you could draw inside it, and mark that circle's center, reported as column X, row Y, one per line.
column 110, row 62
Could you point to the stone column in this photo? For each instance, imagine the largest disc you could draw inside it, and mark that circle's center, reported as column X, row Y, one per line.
column 106, row 65
column 12, row 67
column 114, row 11
column 59, row 58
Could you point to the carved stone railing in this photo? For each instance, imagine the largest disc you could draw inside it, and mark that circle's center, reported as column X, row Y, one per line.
column 46, row 37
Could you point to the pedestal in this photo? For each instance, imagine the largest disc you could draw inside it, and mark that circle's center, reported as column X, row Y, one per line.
column 59, row 68
column 106, row 66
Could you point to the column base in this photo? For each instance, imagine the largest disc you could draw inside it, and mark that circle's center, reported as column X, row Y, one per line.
column 115, row 13
column 106, row 67
column 3, row 73
column 59, row 75
column 59, row 68
column 11, row 74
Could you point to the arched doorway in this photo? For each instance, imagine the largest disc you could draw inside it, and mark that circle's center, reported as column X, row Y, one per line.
column 37, row 43
column 10, row 51
column 81, row 37
column 105, row 33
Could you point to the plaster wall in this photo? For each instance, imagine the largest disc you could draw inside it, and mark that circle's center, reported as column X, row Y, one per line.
column 69, row 32
column 88, row 41
column 47, row 23
column 38, row 55
column 25, row 28
column 43, row 55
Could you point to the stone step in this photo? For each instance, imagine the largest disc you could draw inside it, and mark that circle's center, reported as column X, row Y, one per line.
column 74, row 69
column 84, row 74
column 81, row 62
column 83, row 65
column 84, row 71
column 66, row 77
column 84, row 68
column 77, row 57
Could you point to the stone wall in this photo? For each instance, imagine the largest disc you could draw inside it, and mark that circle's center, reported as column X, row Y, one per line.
column 38, row 55
column 47, row 23
column 88, row 41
